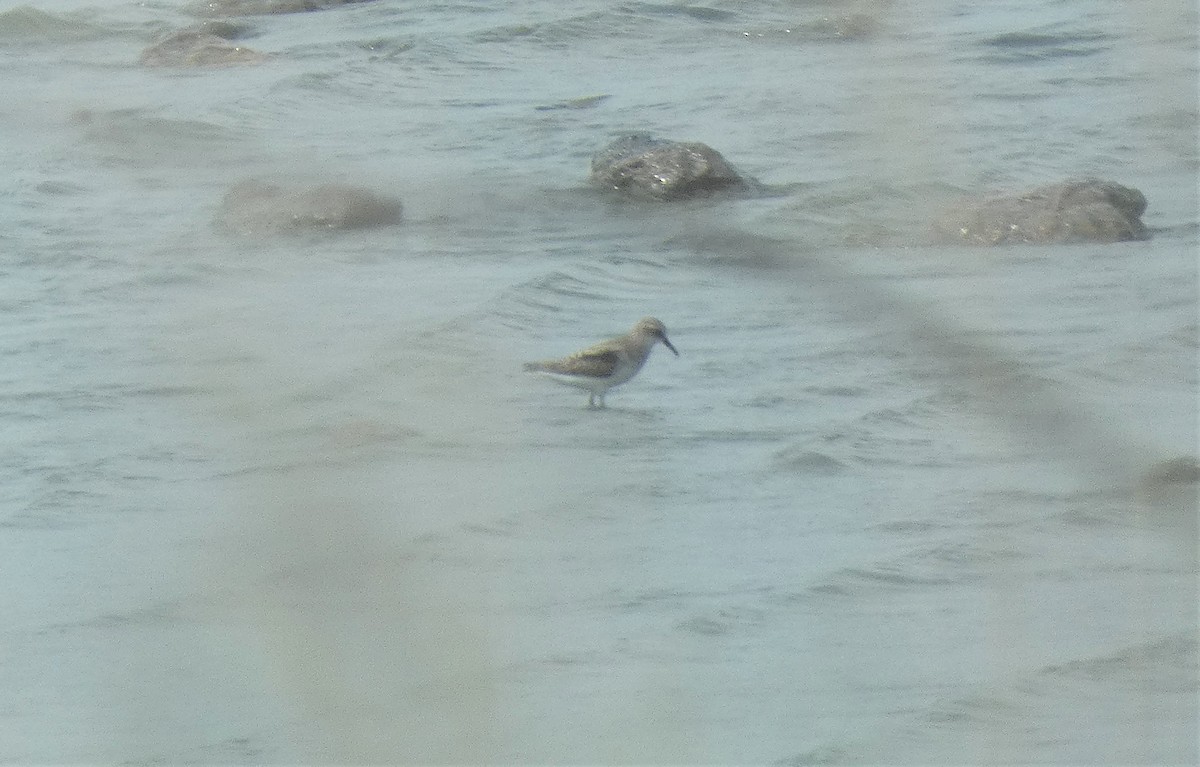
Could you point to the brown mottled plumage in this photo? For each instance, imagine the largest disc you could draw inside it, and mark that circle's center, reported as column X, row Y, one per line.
column 609, row 363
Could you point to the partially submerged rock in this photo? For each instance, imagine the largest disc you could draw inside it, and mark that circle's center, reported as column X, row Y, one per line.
column 264, row 7
column 203, row 45
column 657, row 169
column 853, row 26
column 1087, row 210
column 586, row 102
column 262, row 207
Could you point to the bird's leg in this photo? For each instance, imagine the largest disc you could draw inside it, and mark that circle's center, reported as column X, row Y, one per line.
column 591, row 401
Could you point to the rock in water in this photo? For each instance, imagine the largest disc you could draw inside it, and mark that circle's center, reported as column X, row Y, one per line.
column 203, row 45
column 261, row 207
column 656, row 169
column 1087, row 210
column 263, row 7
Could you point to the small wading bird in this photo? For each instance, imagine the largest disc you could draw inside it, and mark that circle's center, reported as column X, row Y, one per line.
column 607, row 364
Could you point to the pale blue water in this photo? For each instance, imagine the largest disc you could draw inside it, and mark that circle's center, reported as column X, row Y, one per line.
column 291, row 499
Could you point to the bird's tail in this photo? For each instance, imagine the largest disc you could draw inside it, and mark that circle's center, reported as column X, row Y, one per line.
column 532, row 367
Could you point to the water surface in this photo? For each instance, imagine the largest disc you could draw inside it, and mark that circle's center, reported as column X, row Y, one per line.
column 291, row 498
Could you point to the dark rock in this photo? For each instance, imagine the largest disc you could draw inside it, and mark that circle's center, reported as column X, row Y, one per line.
column 657, row 169
column 261, row 207
column 203, row 45
column 1088, row 210
column 264, row 7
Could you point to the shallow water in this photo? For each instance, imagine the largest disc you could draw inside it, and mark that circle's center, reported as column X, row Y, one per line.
column 291, row 498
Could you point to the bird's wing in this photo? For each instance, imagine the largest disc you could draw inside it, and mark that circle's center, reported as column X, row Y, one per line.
column 594, row 362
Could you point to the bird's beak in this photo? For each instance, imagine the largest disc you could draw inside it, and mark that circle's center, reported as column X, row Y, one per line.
column 667, row 343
